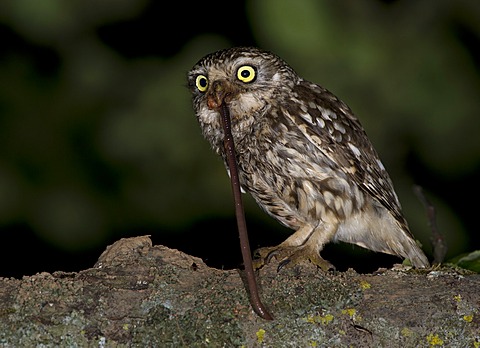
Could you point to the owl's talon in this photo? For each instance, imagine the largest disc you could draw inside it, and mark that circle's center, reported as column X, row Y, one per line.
column 262, row 256
column 323, row 264
column 289, row 257
column 271, row 254
column 258, row 263
column 282, row 264
column 302, row 255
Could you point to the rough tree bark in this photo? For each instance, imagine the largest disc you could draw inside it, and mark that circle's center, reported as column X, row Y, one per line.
column 143, row 295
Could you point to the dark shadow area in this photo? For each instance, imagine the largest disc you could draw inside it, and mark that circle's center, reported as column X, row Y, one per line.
column 215, row 241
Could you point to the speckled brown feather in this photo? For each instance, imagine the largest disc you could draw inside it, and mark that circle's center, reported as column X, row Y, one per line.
column 358, row 159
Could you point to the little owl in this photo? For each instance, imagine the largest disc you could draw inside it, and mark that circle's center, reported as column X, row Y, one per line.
column 303, row 156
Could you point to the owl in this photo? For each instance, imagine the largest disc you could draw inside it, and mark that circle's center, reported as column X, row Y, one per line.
column 303, row 156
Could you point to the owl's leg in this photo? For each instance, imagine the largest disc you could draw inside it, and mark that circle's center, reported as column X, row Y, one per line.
column 264, row 255
column 304, row 245
column 310, row 250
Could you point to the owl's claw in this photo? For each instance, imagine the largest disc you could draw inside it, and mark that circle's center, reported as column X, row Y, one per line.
column 262, row 256
column 282, row 264
column 303, row 255
column 289, row 257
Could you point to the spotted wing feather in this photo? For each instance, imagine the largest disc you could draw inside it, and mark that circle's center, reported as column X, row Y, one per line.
column 331, row 126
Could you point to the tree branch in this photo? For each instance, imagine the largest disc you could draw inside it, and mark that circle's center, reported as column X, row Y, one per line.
column 143, row 295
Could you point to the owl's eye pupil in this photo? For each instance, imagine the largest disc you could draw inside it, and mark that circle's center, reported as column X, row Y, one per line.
column 245, row 73
column 203, row 82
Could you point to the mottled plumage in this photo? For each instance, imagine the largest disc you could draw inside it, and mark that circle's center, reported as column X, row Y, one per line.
column 302, row 155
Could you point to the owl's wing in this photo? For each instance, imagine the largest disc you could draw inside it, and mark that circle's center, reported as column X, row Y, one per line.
column 331, row 126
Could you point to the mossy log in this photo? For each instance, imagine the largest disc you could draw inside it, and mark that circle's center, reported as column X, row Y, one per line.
column 152, row 296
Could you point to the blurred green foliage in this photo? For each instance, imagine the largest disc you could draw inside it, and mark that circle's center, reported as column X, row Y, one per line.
column 92, row 141
column 470, row 261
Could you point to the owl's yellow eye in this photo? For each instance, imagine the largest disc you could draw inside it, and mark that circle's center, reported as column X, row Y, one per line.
column 246, row 73
column 201, row 82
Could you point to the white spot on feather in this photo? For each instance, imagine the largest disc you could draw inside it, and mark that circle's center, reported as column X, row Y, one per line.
column 380, row 164
column 328, row 197
column 354, row 149
column 320, row 122
column 307, row 117
column 338, row 126
column 277, row 77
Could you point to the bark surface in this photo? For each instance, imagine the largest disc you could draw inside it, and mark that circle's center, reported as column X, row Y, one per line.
column 143, row 295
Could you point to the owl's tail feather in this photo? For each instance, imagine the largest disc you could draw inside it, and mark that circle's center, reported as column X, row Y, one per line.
column 403, row 246
column 413, row 252
column 377, row 230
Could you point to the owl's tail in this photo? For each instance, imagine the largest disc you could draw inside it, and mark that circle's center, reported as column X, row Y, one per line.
column 377, row 230
column 411, row 250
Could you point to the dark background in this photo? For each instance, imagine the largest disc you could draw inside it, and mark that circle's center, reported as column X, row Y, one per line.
column 98, row 140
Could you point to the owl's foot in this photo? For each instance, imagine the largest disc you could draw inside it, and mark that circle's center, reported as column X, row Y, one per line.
column 289, row 257
column 263, row 256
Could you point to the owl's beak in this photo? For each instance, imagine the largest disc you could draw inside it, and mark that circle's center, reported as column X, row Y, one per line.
column 219, row 92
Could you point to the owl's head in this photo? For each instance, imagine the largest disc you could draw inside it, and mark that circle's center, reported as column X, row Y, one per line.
column 247, row 79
